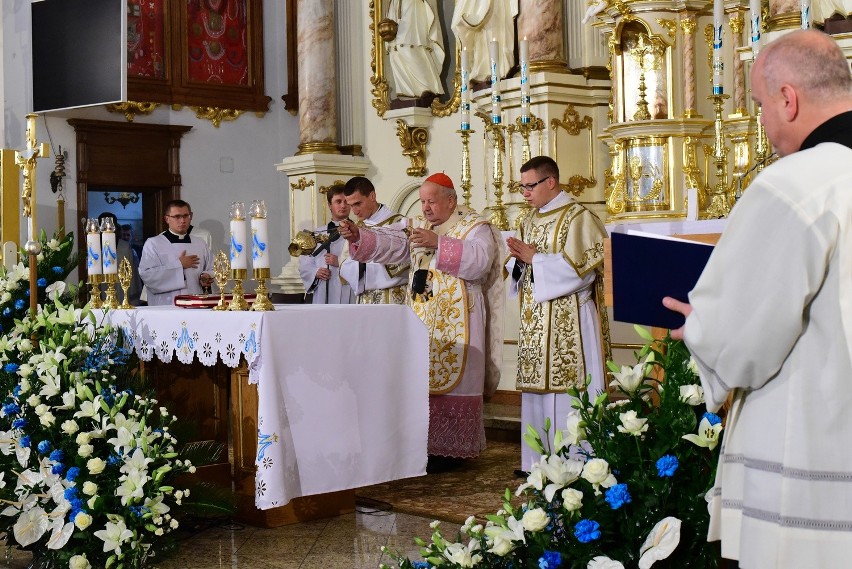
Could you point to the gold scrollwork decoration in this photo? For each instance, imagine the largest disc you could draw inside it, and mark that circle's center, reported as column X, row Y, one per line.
column 573, row 125
column 132, row 108
column 324, row 189
column 216, row 115
column 616, row 184
column 440, row 109
column 688, row 24
column 302, row 184
column 670, row 27
column 413, row 140
column 737, row 23
column 708, row 38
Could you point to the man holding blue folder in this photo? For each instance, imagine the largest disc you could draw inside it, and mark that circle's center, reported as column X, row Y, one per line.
column 770, row 323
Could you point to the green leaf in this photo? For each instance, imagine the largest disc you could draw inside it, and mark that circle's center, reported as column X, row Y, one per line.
column 643, row 333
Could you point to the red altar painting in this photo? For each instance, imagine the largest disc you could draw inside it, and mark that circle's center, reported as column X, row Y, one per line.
column 146, row 39
column 217, row 49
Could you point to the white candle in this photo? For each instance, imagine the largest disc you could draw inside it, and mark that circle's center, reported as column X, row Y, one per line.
column 259, row 243
column 806, row 14
column 523, row 51
column 495, row 84
column 465, row 90
column 754, row 8
column 239, row 258
column 718, row 65
column 93, row 250
column 108, row 254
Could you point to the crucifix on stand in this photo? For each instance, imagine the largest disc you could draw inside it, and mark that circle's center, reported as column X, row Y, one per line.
column 26, row 161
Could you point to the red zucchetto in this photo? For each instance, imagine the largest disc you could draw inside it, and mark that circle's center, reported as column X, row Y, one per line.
column 441, row 179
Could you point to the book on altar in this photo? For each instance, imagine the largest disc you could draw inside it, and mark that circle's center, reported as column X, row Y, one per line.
column 647, row 267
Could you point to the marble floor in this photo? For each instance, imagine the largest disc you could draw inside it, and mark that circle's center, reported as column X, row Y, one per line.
column 352, row 541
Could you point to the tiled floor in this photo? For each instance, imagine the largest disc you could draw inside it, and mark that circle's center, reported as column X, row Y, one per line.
column 352, row 541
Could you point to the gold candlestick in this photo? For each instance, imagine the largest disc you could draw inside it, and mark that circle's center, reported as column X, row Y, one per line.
column 720, row 200
column 465, row 176
column 95, row 291
column 498, row 143
column 261, row 302
column 238, row 299
column 525, row 129
column 221, row 270
column 125, row 275
column 111, row 300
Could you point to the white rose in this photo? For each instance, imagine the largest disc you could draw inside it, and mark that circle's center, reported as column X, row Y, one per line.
column 158, row 531
column 692, row 394
column 79, row 562
column 692, row 366
column 83, row 438
column 90, row 488
column 91, row 502
column 535, row 519
column 82, row 520
column 85, row 451
column 572, row 499
column 25, row 345
column 95, row 465
column 632, row 424
column 596, row 470
column 47, row 419
column 35, row 401
column 70, row 427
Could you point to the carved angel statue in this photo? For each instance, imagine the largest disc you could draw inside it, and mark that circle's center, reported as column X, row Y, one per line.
column 594, row 9
column 476, row 23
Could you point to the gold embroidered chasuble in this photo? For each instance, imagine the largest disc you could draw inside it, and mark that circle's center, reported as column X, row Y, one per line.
column 394, row 294
column 550, row 344
column 446, row 313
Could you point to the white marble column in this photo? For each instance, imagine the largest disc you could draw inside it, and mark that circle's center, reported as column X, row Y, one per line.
column 541, row 23
column 317, row 77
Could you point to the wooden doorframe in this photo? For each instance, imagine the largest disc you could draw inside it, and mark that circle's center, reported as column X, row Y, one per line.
column 145, row 157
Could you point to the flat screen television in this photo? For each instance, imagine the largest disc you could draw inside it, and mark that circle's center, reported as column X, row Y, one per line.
column 79, row 55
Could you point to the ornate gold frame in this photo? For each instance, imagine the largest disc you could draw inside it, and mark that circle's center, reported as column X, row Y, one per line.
column 573, row 125
column 381, row 87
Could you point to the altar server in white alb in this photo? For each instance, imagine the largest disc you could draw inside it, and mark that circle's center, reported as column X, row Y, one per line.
column 556, row 269
column 374, row 283
column 320, row 272
column 770, row 323
column 457, row 290
column 174, row 262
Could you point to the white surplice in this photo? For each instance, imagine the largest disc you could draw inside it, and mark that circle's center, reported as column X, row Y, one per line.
column 333, row 290
column 377, row 276
column 555, row 277
column 162, row 273
column 772, row 321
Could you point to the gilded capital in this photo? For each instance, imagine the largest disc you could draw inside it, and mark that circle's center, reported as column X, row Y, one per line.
column 687, row 24
column 737, row 23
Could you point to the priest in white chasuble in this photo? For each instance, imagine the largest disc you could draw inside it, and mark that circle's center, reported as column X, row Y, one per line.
column 374, row 283
column 457, row 290
column 769, row 323
column 556, row 269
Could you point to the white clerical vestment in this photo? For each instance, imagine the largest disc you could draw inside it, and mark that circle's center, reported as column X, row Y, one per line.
column 464, row 317
column 162, row 273
column 772, row 321
column 334, row 290
column 378, row 283
column 561, row 284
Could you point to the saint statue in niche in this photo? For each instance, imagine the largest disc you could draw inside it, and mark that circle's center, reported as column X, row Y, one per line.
column 416, row 54
column 476, row 23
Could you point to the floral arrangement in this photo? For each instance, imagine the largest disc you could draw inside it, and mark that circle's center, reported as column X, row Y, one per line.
column 622, row 486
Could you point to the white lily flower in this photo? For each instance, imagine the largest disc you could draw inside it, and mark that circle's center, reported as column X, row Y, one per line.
column 561, row 472
column 574, row 432
column 632, row 424
column 663, row 539
column 463, row 556
column 603, row 562
column 505, row 539
column 630, row 379
column 692, row 366
column 113, row 535
column 708, row 434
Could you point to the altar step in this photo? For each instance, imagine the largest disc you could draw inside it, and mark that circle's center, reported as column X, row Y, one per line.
column 502, row 416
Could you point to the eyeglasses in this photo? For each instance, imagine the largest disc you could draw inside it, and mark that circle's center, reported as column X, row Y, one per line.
column 180, row 216
column 533, row 185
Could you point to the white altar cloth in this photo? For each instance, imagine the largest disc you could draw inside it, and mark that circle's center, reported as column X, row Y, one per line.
column 343, row 389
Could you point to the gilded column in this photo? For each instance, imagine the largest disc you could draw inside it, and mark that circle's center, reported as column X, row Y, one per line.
column 541, row 23
column 737, row 22
column 317, row 78
column 687, row 24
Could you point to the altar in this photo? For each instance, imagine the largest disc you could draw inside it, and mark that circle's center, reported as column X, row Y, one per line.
column 317, row 399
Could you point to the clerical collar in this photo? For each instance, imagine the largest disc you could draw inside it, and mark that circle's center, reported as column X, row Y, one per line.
column 175, row 238
column 561, row 199
column 836, row 129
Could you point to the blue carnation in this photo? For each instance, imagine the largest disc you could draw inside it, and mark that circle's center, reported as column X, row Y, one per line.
column 7, row 312
column 11, row 367
column 16, row 391
column 58, row 468
column 587, row 530
column 25, row 441
column 20, row 304
column 550, row 560
column 113, row 459
column 712, row 418
column 58, row 455
column 72, row 473
column 667, row 465
column 70, row 493
column 11, row 409
column 57, row 270
column 44, row 447
column 19, row 423
column 617, row 496
column 27, row 294
column 42, row 282
column 420, row 565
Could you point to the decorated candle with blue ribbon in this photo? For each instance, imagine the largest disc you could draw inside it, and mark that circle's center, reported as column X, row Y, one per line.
column 806, row 13
column 94, row 264
column 108, row 247
column 754, row 8
column 496, row 98
column 239, row 255
column 259, row 235
column 465, row 90
column 718, row 65
column 523, row 53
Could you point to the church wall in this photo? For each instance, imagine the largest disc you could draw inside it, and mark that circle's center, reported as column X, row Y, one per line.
column 252, row 144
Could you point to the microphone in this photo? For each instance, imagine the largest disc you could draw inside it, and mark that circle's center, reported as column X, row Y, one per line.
column 758, row 164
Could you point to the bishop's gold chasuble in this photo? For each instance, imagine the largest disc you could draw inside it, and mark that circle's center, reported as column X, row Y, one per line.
column 550, row 344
